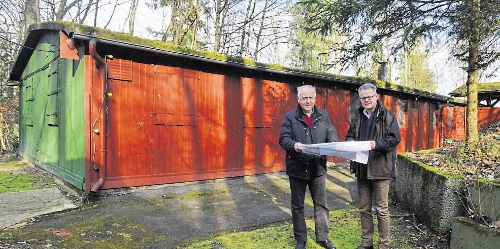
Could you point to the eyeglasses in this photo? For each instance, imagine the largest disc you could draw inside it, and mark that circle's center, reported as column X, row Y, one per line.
column 368, row 97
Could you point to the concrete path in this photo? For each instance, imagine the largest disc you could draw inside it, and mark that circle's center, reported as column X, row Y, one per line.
column 18, row 207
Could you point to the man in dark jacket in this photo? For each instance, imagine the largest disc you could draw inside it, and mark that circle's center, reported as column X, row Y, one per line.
column 307, row 124
column 373, row 122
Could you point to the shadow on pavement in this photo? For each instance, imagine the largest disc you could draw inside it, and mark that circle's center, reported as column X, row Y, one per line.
column 166, row 216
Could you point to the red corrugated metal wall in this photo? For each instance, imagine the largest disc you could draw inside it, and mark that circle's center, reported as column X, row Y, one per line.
column 169, row 124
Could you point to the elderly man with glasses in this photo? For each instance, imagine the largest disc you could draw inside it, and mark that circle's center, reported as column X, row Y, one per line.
column 373, row 122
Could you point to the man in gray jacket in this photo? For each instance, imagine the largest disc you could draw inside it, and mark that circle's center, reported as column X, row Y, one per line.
column 373, row 122
column 307, row 124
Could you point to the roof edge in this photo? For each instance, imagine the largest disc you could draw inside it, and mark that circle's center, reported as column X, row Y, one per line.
column 118, row 38
column 35, row 32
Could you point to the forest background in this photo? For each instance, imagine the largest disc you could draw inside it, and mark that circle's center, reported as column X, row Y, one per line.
column 267, row 31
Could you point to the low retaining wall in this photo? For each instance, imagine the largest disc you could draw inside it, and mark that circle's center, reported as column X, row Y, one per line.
column 437, row 200
column 467, row 234
column 485, row 196
column 433, row 197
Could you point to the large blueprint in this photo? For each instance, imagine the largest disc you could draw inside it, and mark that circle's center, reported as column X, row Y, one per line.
column 355, row 150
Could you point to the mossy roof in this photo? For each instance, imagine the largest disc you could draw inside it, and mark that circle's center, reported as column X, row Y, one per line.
column 482, row 88
column 70, row 27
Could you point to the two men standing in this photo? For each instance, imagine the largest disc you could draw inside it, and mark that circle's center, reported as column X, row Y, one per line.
column 308, row 124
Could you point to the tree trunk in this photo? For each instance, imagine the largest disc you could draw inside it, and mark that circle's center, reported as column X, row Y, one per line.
column 31, row 12
column 85, row 11
column 131, row 15
column 245, row 29
column 96, row 12
column 195, row 22
column 259, row 33
column 472, row 79
column 218, row 24
column 64, row 7
column 3, row 140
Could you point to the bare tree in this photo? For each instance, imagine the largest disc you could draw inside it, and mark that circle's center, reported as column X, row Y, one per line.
column 13, row 27
column 131, row 16
column 272, row 28
column 221, row 11
column 258, row 35
column 185, row 21
column 246, row 28
column 12, row 32
column 83, row 9
column 63, row 9
column 31, row 12
column 234, row 27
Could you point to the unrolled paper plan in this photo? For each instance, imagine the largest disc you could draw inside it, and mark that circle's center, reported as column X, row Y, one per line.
column 355, row 150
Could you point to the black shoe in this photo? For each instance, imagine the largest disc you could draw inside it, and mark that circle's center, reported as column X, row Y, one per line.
column 300, row 245
column 326, row 244
column 365, row 247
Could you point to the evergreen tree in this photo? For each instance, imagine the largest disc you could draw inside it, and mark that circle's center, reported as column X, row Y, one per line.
column 471, row 25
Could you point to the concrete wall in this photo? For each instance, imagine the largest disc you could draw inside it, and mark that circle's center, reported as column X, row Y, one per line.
column 437, row 200
column 467, row 234
column 432, row 197
column 486, row 198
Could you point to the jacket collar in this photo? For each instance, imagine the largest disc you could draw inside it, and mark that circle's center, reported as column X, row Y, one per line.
column 299, row 113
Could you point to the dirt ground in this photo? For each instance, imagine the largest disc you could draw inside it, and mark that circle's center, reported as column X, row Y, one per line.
column 454, row 157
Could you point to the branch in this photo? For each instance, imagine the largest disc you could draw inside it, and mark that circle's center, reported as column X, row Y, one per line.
column 414, row 220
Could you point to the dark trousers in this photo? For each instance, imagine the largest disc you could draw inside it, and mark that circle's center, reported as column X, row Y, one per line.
column 317, row 188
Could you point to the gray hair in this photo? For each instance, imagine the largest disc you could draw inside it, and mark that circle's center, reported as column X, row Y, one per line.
column 301, row 88
column 366, row 87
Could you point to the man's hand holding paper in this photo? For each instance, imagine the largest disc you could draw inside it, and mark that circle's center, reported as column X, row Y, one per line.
column 353, row 150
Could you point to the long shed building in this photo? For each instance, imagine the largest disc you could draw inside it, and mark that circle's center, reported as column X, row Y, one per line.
column 104, row 110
